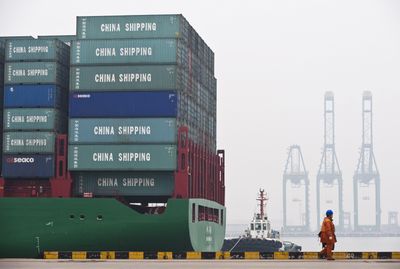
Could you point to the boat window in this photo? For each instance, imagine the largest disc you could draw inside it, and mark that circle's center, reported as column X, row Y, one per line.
column 252, row 226
column 215, row 215
column 82, row 217
column 201, row 213
column 193, row 212
column 71, row 216
column 258, row 226
column 99, row 217
column 210, row 214
column 205, row 213
column 264, row 226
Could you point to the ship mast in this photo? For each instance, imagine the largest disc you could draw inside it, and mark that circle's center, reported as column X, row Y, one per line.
column 262, row 200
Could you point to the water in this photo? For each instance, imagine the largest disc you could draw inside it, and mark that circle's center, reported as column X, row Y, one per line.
column 343, row 244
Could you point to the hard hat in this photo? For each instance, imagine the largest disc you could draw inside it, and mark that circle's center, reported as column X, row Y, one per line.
column 329, row 212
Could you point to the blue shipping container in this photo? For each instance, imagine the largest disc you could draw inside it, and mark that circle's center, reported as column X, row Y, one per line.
column 28, row 96
column 28, row 166
column 123, row 104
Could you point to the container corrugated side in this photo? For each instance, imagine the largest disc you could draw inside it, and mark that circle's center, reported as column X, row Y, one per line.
column 134, row 26
column 132, row 77
column 34, row 119
column 122, row 157
column 5, row 38
column 36, row 72
column 123, row 183
column 123, row 104
column 67, row 39
column 2, row 52
column 138, row 77
column 28, row 166
column 45, row 95
column 37, row 50
column 140, row 51
column 122, row 131
column 116, row 51
column 145, row 26
column 1, row 77
column 28, row 142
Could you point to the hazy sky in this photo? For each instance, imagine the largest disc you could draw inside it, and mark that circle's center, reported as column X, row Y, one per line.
column 274, row 61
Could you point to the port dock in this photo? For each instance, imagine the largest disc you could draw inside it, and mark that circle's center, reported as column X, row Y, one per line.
column 222, row 264
column 218, row 255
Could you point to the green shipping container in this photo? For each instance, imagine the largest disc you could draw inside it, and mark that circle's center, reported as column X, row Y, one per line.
column 127, row 51
column 37, row 49
column 107, row 78
column 36, row 72
column 124, row 183
column 64, row 38
column 1, row 83
column 2, row 51
column 28, row 142
column 122, row 157
column 135, row 26
column 34, row 119
column 122, row 131
column 145, row 26
column 139, row 77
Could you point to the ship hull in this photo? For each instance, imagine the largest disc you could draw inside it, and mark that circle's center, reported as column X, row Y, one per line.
column 252, row 244
column 29, row 226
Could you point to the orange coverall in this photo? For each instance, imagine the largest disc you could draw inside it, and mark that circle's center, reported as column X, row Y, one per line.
column 328, row 237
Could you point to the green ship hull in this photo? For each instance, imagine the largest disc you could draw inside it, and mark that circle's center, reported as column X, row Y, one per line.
column 29, row 226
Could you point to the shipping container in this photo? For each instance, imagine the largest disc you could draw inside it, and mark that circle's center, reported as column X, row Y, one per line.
column 45, row 95
column 28, row 142
column 200, row 119
column 36, row 72
column 123, row 104
column 133, row 51
column 138, row 77
column 5, row 38
column 1, row 138
column 122, row 131
column 34, row 119
column 106, row 78
column 123, row 183
column 64, row 38
column 1, row 79
column 38, row 187
column 28, row 165
column 37, row 50
column 2, row 53
column 134, row 26
column 122, row 157
column 140, row 51
column 145, row 26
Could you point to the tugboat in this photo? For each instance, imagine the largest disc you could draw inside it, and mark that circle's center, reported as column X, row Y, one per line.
column 259, row 236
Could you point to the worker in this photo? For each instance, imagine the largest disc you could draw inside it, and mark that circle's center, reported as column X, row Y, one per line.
column 327, row 235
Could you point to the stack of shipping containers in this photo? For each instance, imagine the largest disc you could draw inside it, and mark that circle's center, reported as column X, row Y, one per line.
column 35, row 112
column 134, row 81
column 2, row 51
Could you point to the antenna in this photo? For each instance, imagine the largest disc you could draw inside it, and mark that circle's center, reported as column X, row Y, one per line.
column 262, row 200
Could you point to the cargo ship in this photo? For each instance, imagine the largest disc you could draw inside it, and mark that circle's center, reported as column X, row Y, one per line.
column 106, row 151
column 259, row 236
